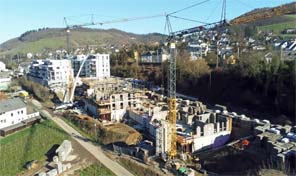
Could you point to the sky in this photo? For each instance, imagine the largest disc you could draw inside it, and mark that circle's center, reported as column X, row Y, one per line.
column 18, row 16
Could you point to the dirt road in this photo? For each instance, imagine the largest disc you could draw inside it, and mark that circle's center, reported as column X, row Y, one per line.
column 93, row 149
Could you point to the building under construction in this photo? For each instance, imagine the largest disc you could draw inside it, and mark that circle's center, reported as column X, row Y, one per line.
column 197, row 127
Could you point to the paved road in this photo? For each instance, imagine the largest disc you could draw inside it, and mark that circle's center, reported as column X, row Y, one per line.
column 94, row 150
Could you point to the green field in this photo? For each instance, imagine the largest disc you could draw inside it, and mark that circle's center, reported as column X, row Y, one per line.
column 28, row 144
column 95, row 170
column 279, row 27
column 42, row 44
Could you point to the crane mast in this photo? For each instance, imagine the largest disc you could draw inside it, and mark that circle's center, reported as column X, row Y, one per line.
column 172, row 101
column 172, row 116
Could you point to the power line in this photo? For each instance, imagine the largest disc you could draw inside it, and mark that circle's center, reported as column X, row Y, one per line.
column 188, row 7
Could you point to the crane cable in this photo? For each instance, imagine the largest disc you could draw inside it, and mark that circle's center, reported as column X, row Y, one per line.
column 130, row 19
column 212, row 12
column 187, row 19
column 138, row 18
column 188, row 7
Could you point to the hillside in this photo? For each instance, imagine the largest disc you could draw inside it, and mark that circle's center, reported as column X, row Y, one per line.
column 265, row 13
column 278, row 26
column 55, row 38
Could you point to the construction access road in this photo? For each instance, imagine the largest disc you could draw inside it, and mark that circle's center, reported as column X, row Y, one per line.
column 96, row 151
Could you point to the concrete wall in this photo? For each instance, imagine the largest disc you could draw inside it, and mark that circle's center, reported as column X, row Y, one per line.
column 139, row 118
column 211, row 141
column 162, row 139
column 117, row 115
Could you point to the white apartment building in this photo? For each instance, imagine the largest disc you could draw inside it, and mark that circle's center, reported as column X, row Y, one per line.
column 51, row 73
column 12, row 111
column 95, row 66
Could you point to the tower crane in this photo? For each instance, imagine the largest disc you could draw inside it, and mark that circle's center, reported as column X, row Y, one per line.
column 172, row 102
column 69, row 27
column 92, row 23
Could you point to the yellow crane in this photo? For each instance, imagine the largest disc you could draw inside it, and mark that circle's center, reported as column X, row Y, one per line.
column 172, row 116
column 172, row 101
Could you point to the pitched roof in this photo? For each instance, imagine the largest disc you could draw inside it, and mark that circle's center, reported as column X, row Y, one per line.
column 11, row 104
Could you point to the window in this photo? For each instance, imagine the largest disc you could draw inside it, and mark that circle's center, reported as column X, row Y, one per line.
column 22, row 111
column 18, row 112
column 11, row 114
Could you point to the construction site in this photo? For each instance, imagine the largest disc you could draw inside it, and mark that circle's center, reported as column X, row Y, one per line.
column 143, row 127
column 187, row 136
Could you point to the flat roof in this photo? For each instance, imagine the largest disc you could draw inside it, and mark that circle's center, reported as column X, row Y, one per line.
column 11, row 104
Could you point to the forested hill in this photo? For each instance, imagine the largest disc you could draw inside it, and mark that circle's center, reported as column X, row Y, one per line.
column 55, row 38
column 265, row 13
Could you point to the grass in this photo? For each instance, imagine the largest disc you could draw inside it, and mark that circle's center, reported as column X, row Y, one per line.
column 292, row 16
column 136, row 168
column 95, row 170
column 82, row 132
column 279, row 27
column 28, row 144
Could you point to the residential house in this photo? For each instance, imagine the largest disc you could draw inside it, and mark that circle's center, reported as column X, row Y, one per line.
column 153, row 57
column 15, row 114
column 198, row 50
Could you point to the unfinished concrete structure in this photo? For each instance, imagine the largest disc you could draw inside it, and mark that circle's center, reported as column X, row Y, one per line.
column 108, row 101
column 279, row 142
column 197, row 127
